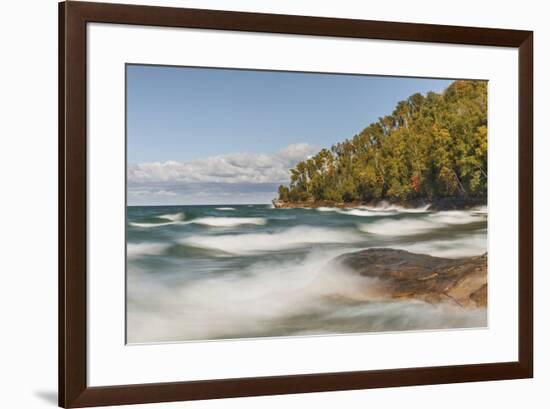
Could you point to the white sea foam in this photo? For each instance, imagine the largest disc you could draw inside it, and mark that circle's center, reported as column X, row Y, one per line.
column 135, row 250
column 453, row 217
column 363, row 212
column 464, row 246
column 210, row 221
column 377, row 211
column 356, row 211
column 421, row 225
column 404, row 315
column 253, row 243
column 385, row 206
column 398, row 227
column 149, row 225
column 225, row 208
column 176, row 217
column 400, row 209
column 294, row 292
column 229, row 221
column 480, row 209
column 241, row 302
column 295, row 297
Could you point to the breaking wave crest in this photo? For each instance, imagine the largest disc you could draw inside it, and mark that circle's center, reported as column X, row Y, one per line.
column 253, row 243
column 464, row 246
column 366, row 212
column 424, row 224
column 397, row 227
column 374, row 211
column 135, row 250
column 229, row 221
column 175, row 218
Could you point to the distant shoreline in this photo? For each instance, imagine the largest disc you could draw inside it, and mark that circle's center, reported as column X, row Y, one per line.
column 446, row 203
column 200, row 205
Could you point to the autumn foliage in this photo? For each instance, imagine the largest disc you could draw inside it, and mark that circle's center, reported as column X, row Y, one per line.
column 431, row 146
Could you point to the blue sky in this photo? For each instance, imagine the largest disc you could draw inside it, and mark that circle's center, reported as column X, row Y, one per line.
column 199, row 135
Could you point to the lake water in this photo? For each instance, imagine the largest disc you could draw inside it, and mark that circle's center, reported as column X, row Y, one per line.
column 246, row 271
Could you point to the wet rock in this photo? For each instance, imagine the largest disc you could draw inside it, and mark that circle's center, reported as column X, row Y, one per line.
column 420, row 276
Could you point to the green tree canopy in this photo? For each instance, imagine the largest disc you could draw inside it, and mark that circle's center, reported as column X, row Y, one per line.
column 431, row 146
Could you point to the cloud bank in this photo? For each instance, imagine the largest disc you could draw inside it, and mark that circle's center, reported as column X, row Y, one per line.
column 233, row 178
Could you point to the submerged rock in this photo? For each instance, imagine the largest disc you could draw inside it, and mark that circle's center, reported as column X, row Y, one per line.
column 402, row 274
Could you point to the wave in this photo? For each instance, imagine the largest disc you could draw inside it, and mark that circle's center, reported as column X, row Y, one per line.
column 404, row 315
column 231, row 304
column 292, row 287
column 210, row 221
column 229, row 221
column 254, row 243
column 374, row 211
column 465, row 246
column 225, row 208
column 149, row 225
column 400, row 209
column 356, row 211
column 424, row 224
column 398, row 227
column 480, row 209
column 176, row 217
column 135, row 250
column 302, row 296
column 366, row 212
column 452, row 217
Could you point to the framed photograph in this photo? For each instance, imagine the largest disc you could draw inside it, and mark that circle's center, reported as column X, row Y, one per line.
column 255, row 204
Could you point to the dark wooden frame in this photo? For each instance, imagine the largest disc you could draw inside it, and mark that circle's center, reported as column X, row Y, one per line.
column 73, row 388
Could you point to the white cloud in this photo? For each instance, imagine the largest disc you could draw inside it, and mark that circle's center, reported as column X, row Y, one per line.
column 146, row 192
column 227, row 169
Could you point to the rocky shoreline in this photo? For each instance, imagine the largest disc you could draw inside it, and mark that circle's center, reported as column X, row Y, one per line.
column 446, row 203
column 399, row 274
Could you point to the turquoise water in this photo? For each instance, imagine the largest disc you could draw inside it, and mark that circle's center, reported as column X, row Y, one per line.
column 245, row 271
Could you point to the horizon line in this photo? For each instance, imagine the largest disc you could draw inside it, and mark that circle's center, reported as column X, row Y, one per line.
column 203, row 204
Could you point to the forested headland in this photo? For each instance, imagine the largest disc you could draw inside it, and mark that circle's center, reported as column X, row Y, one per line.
column 431, row 147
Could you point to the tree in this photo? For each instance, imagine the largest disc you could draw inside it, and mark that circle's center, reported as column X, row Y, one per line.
column 430, row 146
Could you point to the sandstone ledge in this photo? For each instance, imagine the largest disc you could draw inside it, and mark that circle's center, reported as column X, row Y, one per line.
column 405, row 275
